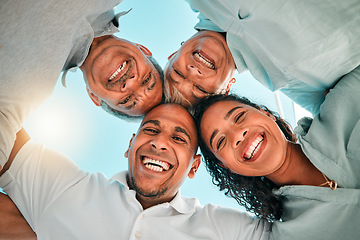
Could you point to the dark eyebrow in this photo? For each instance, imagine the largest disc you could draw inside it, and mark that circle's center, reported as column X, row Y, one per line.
column 212, row 137
column 155, row 122
column 180, row 129
column 230, row 112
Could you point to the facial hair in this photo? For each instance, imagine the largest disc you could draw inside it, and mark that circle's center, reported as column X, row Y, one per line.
column 153, row 194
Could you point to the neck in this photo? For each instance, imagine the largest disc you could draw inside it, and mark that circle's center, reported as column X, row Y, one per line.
column 147, row 201
column 296, row 169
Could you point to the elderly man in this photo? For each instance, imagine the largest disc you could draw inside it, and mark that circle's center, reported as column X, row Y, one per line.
column 40, row 39
column 62, row 202
column 300, row 47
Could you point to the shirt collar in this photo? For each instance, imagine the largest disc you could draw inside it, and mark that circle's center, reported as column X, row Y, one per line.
column 181, row 204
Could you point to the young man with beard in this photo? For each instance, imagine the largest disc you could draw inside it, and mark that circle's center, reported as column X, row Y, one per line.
column 299, row 47
column 60, row 201
column 40, row 39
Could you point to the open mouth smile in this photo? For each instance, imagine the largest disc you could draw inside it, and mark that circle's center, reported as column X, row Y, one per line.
column 155, row 165
column 254, row 147
column 120, row 75
column 117, row 71
column 204, row 60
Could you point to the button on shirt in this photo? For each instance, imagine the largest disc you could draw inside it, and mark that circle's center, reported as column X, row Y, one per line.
column 62, row 202
column 303, row 47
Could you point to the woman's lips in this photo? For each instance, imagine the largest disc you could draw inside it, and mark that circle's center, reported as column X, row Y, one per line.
column 254, row 147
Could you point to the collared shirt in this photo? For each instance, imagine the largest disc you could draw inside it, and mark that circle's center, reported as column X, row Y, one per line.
column 62, row 202
column 39, row 39
column 301, row 47
column 331, row 142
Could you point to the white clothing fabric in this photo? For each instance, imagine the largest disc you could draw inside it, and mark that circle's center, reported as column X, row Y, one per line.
column 39, row 39
column 62, row 202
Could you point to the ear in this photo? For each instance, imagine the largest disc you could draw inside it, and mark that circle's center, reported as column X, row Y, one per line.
column 233, row 80
column 93, row 97
column 144, row 50
column 195, row 166
column 126, row 154
column 169, row 57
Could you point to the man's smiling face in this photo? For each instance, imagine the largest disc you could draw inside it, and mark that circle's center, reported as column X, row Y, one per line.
column 202, row 66
column 162, row 154
column 119, row 73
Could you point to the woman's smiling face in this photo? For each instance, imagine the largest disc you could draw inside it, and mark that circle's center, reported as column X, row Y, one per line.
column 246, row 140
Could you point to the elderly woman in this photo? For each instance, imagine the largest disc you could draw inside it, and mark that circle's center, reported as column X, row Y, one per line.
column 310, row 182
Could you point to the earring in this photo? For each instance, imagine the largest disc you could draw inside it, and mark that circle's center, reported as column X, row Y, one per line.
column 233, row 80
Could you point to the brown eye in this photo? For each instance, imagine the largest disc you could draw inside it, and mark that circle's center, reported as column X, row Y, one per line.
column 179, row 139
column 150, row 131
column 125, row 100
column 146, row 80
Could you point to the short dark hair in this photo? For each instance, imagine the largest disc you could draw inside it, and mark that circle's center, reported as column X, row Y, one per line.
column 253, row 193
column 125, row 116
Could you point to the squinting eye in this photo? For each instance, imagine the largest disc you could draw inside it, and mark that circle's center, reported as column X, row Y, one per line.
column 125, row 100
column 178, row 73
column 237, row 117
column 146, row 80
column 220, row 143
column 150, row 131
column 179, row 139
column 202, row 90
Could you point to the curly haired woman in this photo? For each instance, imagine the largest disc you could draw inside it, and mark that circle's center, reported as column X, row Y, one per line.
column 308, row 185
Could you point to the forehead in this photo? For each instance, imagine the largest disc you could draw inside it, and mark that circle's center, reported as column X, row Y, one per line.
column 172, row 115
column 222, row 108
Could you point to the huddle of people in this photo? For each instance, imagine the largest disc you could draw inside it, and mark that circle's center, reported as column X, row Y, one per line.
column 301, row 184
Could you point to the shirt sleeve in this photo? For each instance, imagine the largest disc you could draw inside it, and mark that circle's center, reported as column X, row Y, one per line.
column 333, row 139
column 204, row 22
column 236, row 224
column 36, row 178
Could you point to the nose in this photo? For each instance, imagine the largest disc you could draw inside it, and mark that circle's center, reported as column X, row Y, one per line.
column 239, row 136
column 130, row 84
column 159, row 143
column 193, row 70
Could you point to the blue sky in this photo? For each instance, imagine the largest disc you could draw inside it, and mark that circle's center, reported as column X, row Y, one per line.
column 70, row 123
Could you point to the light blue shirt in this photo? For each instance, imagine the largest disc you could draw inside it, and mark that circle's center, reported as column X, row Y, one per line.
column 301, row 47
column 60, row 201
column 332, row 143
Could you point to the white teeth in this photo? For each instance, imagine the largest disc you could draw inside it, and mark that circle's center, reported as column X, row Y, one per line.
column 204, row 60
column 254, row 148
column 117, row 71
column 155, row 165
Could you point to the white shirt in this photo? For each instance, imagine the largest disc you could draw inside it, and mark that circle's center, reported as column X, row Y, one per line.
column 62, row 202
column 39, row 39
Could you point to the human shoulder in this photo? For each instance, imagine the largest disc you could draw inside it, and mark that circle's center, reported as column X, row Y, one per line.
column 236, row 223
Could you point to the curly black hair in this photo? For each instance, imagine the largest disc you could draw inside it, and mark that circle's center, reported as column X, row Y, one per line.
column 254, row 193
